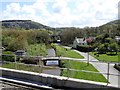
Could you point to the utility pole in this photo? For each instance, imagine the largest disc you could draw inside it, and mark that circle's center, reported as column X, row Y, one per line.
column 88, row 58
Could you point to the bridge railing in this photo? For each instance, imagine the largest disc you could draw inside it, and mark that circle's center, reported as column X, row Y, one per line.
column 40, row 67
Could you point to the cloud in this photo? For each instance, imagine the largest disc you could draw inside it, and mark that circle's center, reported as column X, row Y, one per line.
column 59, row 13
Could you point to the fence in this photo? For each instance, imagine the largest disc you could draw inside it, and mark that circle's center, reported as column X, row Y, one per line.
column 39, row 67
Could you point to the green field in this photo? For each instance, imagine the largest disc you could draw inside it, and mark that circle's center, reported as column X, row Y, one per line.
column 37, row 49
column 105, row 57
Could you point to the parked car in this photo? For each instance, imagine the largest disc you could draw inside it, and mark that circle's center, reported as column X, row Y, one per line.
column 117, row 66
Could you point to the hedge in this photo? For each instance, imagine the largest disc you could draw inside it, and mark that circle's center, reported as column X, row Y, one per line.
column 30, row 60
column 9, row 57
column 85, row 48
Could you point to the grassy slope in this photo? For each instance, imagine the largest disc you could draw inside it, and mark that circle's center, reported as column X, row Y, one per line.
column 79, row 66
column 37, row 49
column 21, row 67
column 105, row 57
column 61, row 51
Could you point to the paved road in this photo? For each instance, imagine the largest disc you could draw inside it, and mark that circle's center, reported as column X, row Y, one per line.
column 103, row 68
column 51, row 53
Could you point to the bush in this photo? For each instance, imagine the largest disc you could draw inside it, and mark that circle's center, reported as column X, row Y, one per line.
column 30, row 60
column 85, row 48
column 9, row 57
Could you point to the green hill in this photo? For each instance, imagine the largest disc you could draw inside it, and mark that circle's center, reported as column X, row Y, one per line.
column 24, row 24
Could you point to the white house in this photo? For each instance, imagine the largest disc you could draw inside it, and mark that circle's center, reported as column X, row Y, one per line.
column 79, row 42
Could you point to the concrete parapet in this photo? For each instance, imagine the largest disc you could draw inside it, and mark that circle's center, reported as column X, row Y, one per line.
column 52, row 80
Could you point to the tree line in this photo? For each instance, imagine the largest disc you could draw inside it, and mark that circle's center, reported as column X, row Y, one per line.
column 14, row 40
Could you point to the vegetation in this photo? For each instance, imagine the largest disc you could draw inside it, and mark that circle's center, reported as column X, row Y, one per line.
column 21, row 67
column 20, row 39
column 24, row 24
column 61, row 51
column 22, row 34
column 9, row 57
column 82, row 75
column 77, row 65
column 37, row 49
column 106, row 44
column 106, row 57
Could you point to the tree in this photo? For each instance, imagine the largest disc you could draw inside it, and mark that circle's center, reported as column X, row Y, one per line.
column 101, row 48
column 113, row 47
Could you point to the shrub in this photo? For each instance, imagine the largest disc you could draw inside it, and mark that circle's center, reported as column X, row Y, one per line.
column 9, row 57
column 30, row 60
column 85, row 48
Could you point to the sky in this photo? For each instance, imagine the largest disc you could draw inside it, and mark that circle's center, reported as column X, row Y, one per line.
column 61, row 13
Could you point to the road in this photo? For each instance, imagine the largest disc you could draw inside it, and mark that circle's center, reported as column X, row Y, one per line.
column 51, row 53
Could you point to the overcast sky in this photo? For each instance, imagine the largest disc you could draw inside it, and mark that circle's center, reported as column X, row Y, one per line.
column 61, row 13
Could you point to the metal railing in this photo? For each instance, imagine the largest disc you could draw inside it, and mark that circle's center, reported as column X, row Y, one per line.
column 69, row 69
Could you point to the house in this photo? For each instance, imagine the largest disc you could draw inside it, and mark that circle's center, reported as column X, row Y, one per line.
column 20, row 53
column 79, row 42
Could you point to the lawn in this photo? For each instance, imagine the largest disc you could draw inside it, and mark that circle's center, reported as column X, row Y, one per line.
column 61, row 51
column 21, row 67
column 37, row 49
column 78, row 66
column 105, row 57
column 82, row 75
column 25, row 67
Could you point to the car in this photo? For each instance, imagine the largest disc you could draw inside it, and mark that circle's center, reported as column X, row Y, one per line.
column 117, row 66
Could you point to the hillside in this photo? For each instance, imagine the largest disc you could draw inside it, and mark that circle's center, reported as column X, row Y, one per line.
column 24, row 24
column 28, row 24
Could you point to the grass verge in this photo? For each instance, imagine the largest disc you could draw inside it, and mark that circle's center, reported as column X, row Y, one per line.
column 105, row 57
column 82, row 75
column 21, row 67
column 61, row 51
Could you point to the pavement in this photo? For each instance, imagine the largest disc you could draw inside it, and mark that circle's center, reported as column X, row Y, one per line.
column 103, row 68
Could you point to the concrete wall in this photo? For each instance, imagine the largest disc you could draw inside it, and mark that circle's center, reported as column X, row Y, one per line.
column 52, row 80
